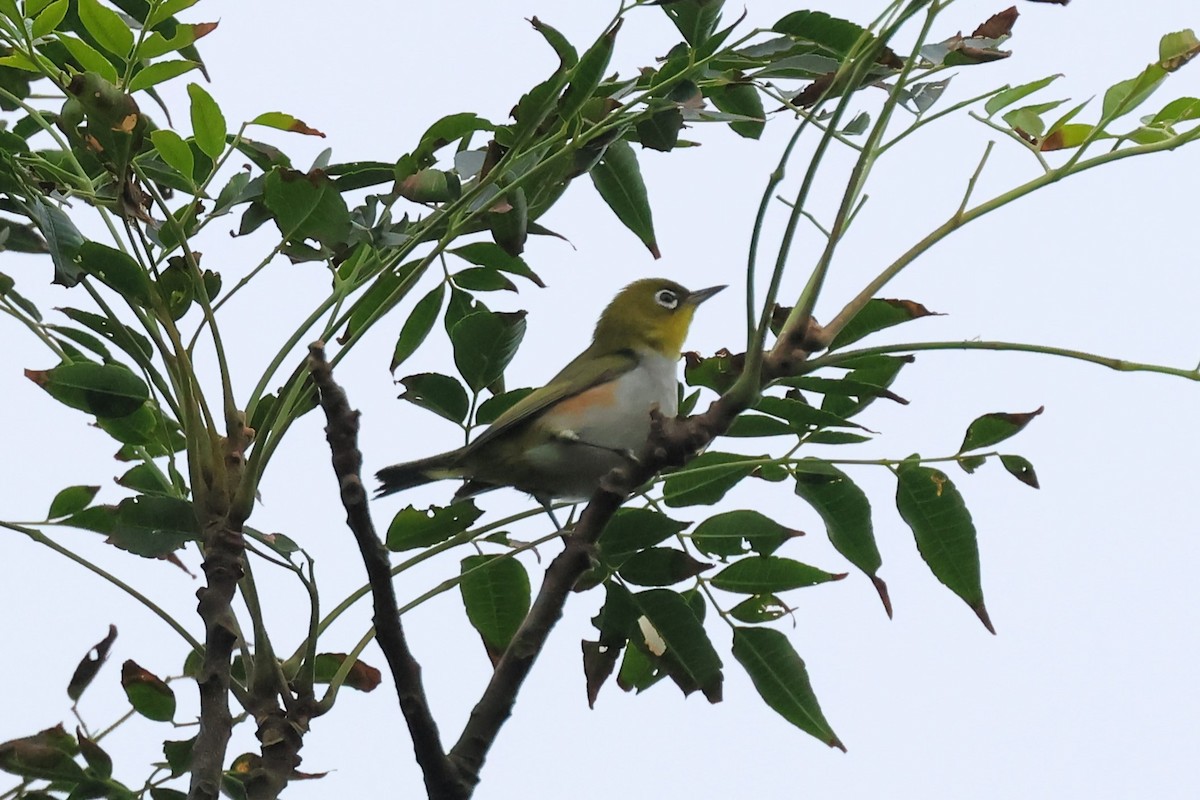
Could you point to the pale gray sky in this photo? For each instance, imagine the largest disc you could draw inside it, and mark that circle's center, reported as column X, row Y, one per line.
column 1089, row 688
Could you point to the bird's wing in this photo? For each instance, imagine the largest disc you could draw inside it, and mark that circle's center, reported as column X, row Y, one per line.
column 586, row 371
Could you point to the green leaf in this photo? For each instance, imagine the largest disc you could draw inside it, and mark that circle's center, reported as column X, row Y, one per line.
column 483, row 279
column 1122, row 98
column 489, row 410
column 759, row 608
column 707, row 478
column 762, row 574
column 1020, row 468
column 154, row 74
column 284, row 122
column 846, row 512
column 535, row 105
column 48, row 21
column 71, row 500
column 753, row 425
column 879, row 371
column 63, row 239
column 181, row 39
column 695, row 19
column 175, row 151
column 106, row 390
column 744, row 100
column 484, row 343
column 145, row 479
column 153, row 526
column 724, row 534
column 660, row 130
column 800, row 415
column 1006, row 98
column 48, row 755
column 438, row 393
column 361, row 676
column 495, row 590
column 932, row 506
column 991, row 429
column 99, row 762
column 586, row 75
column 307, row 207
column 91, row 59
column 696, row 663
column 148, row 694
column 208, row 123
column 178, row 755
column 779, row 675
column 877, row 314
column 117, row 270
column 413, row 528
column 634, row 529
column 90, row 664
column 418, row 325
column 168, row 9
column 106, row 27
column 661, row 566
column 618, row 179
column 490, row 254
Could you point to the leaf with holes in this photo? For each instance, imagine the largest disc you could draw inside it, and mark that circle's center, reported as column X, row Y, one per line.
column 412, row 528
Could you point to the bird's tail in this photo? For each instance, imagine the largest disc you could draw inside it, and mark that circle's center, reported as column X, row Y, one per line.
column 399, row 477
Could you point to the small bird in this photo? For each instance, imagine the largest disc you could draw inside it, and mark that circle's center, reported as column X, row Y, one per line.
column 593, row 416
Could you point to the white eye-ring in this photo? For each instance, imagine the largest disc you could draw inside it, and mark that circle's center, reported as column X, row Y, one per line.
column 666, row 298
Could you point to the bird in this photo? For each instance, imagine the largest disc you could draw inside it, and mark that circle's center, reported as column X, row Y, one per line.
column 559, row 442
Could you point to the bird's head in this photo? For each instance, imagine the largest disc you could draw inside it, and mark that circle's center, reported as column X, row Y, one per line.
column 653, row 313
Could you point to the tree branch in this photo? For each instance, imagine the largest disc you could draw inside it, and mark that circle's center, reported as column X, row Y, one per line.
column 442, row 780
column 672, row 442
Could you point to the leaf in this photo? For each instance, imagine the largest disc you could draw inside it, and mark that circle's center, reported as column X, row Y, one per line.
column 707, row 478
column 48, row 755
column 284, row 122
column 634, row 529
column 759, row 608
column 800, row 415
column 361, row 677
column 661, row 566
column 99, row 762
column 117, row 270
column 490, row 254
column 660, row 130
column 779, row 675
column 208, row 123
column 599, row 661
column 148, row 694
column 440, row 394
column 48, row 21
column 307, row 206
column 71, row 500
column 724, row 534
column 846, row 512
column 695, row 19
column 483, row 279
column 86, row 671
column 686, row 643
column 744, row 100
column 106, row 390
column 932, row 506
column 496, row 593
column 154, row 526
column 418, row 325
column 489, row 410
column 586, row 75
column 1021, row 469
column 63, row 239
column 174, row 151
column 879, row 371
column 106, row 27
column 1010, row 95
column 536, row 104
column 178, row 755
column 1122, row 98
column 877, row 314
column 91, row 59
column 412, row 528
column 618, row 179
column 1178, row 48
column 994, row 428
column 154, row 74
column 763, row 574
column 484, row 343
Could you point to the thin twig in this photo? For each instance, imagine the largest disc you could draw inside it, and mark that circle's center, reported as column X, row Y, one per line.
column 442, row 780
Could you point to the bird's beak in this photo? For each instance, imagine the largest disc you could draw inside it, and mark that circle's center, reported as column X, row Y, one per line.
column 699, row 296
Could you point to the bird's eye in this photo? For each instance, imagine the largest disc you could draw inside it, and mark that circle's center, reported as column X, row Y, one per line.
column 666, row 298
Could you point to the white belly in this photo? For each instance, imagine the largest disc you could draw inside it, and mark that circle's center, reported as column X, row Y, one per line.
column 595, row 439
